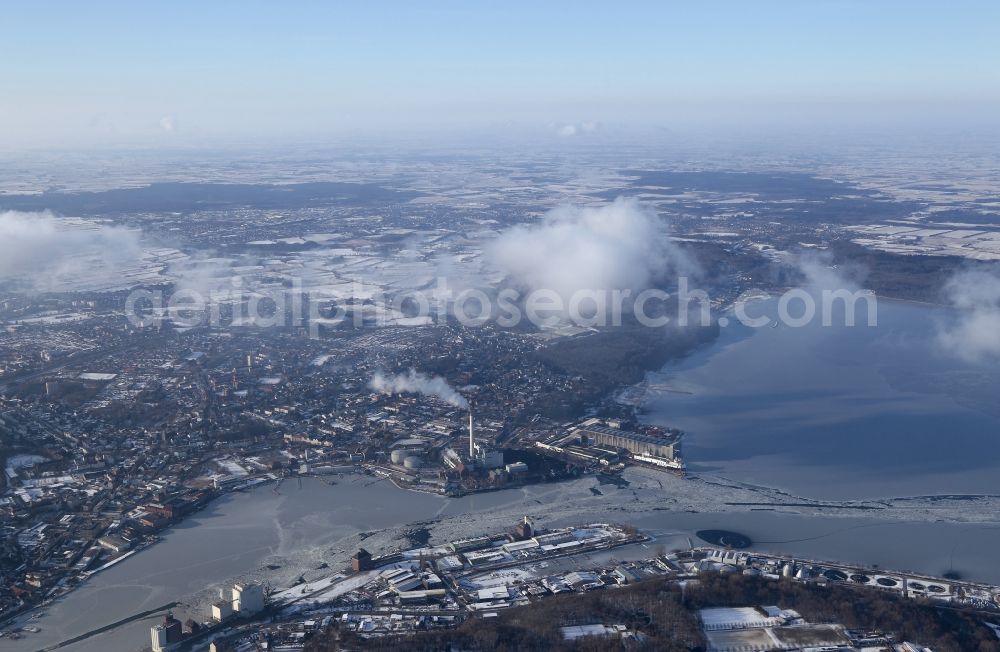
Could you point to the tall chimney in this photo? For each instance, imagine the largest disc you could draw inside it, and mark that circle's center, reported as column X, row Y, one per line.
column 472, row 451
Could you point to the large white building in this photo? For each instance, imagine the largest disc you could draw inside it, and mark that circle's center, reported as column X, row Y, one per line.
column 159, row 636
column 248, row 599
column 486, row 457
column 221, row 610
column 663, row 450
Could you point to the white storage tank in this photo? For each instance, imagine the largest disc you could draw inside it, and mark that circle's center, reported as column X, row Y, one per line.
column 412, row 462
column 398, row 456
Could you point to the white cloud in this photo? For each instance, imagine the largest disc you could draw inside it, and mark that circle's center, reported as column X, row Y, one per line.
column 39, row 248
column 618, row 246
column 206, row 275
column 975, row 333
column 167, row 123
column 821, row 273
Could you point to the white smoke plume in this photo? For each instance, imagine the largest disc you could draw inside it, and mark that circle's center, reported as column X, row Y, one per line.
column 39, row 249
column 618, row 246
column 975, row 333
column 418, row 383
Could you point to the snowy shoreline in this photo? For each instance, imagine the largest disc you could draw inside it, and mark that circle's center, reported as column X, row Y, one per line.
column 571, row 501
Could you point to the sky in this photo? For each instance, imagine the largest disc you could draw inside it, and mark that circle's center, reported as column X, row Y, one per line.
column 149, row 74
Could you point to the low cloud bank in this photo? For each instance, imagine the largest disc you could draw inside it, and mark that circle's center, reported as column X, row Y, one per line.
column 39, row 248
column 975, row 333
column 821, row 273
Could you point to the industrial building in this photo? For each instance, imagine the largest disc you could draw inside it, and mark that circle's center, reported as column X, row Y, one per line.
column 115, row 544
column 480, row 455
column 486, row 457
column 221, row 610
column 408, row 458
column 248, row 599
column 466, row 545
column 663, row 450
column 524, row 530
column 517, row 468
column 361, row 561
column 166, row 634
